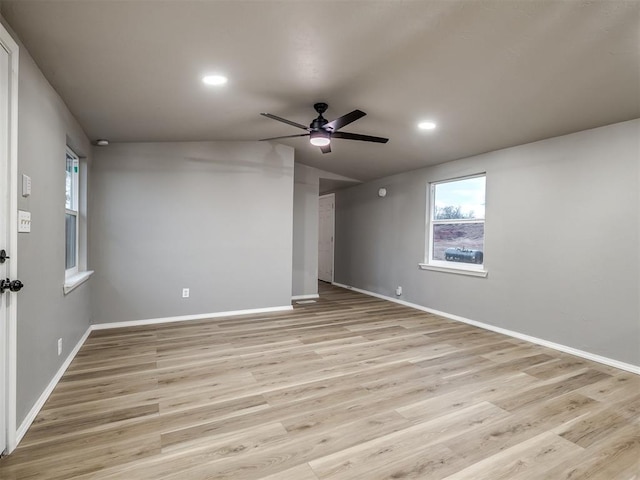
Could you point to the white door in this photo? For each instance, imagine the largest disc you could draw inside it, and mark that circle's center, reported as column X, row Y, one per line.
column 326, row 230
column 4, row 240
column 8, row 235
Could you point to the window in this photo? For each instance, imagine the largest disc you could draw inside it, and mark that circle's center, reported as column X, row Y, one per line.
column 456, row 225
column 71, row 214
column 75, row 211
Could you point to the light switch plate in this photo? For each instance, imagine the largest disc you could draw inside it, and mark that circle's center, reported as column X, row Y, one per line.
column 24, row 221
column 26, row 185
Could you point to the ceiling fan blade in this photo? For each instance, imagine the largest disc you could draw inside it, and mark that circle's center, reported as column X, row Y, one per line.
column 338, row 123
column 284, row 120
column 326, row 149
column 357, row 136
column 285, row 136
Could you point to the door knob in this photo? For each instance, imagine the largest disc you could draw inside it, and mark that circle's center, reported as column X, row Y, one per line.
column 14, row 286
column 3, row 256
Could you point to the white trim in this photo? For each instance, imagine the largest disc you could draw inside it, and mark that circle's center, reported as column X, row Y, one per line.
column 305, row 297
column 186, row 318
column 459, row 270
column 521, row 336
column 12, row 334
column 33, row 413
column 73, row 282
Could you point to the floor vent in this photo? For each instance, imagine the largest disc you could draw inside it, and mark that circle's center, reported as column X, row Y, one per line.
column 304, row 302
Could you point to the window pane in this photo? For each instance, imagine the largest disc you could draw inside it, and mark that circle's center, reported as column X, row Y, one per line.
column 459, row 242
column 71, row 195
column 459, row 199
column 70, row 232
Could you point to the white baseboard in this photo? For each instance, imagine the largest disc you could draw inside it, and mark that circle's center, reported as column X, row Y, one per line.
column 539, row 341
column 31, row 416
column 33, row 413
column 186, row 318
column 305, row 297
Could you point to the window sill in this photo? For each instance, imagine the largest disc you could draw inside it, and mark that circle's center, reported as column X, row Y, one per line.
column 472, row 272
column 76, row 280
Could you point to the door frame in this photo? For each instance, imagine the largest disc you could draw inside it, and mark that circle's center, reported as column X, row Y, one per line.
column 8, row 43
column 333, row 243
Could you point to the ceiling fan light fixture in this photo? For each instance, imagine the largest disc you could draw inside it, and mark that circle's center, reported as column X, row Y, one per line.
column 320, row 138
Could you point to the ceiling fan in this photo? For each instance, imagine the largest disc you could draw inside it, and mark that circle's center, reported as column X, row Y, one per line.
column 321, row 130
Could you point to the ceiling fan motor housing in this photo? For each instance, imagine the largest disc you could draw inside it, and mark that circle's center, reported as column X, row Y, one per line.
column 320, row 107
column 319, row 122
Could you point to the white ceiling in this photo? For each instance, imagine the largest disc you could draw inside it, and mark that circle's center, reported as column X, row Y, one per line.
column 492, row 74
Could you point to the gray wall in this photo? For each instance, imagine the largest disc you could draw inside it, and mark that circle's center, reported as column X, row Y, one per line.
column 562, row 237
column 44, row 313
column 213, row 217
column 305, row 230
column 309, row 182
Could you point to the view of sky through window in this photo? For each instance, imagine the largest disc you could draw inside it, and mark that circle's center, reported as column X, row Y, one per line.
column 468, row 194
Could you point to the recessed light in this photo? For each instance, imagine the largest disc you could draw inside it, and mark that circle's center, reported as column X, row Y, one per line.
column 214, row 80
column 426, row 125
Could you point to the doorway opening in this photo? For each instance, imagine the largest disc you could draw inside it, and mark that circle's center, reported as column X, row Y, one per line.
column 326, row 236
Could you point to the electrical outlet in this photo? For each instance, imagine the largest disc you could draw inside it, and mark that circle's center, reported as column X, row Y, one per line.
column 59, row 346
column 399, row 290
column 185, row 293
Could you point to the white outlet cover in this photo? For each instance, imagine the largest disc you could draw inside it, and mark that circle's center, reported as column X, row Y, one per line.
column 24, row 221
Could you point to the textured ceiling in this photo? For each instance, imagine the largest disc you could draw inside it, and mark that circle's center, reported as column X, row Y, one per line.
column 492, row 74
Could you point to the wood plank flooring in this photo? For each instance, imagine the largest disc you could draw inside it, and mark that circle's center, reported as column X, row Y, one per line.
column 349, row 387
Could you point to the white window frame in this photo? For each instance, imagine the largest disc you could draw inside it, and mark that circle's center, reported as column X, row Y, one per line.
column 76, row 275
column 476, row 270
column 75, row 202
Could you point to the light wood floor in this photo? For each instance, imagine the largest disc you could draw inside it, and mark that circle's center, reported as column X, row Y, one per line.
column 350, row 387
